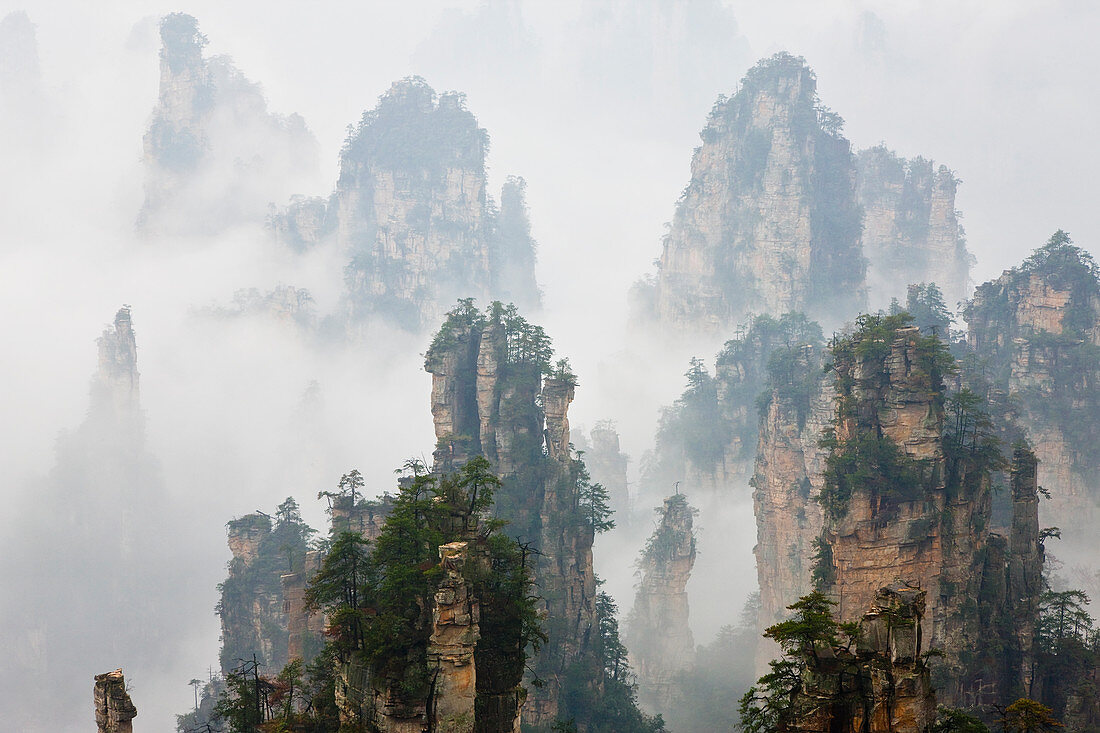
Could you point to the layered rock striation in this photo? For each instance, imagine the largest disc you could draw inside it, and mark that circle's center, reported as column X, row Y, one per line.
column 1036, row 332
column 883, row 685
column 114, row 710
column 261, row 608
column 490, row 398
column 412, row 212
column 911, row 230
column 214, row 155
column 658, row 632
column 769, row 222
column 787, row 482
column 908, row 497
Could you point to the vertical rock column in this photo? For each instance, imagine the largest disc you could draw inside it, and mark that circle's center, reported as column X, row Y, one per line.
column 455, row 618
column 658, row 634
column 565, row 574
column 113, row 708
column 1025, row 569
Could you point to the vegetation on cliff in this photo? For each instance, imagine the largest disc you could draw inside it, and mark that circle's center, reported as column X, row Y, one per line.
column 713, row 426
column 251, row 602
column 1056, row 357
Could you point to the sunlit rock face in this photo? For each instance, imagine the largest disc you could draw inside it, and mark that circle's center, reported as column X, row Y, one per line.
column 1037, row 327
column 490, row 398
column 911, row 231
column 214, row 156
column 657, row 632
column 412, row 210
column 114, row 711
column 769, row 222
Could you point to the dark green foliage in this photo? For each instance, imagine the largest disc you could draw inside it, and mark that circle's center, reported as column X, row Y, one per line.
column 766, row 707
column 869, row 464
column 952, row 720
column 697, row 417
column 411, row 129
column 1067, row 398
column 924, row 303
column 1028, row 716
column 375, row 599
column 971, row 444
column 868, row 460
column 822, row 573
column 593, row 502
column 1067, row 646
column 661, row 544
column 770, row 357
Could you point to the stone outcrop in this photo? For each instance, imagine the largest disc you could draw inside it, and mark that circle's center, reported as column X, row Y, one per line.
column 769, row 221
column 455, row 619
column 214, row 156
column 102, row 538
column 657, row 632
column 262, row 609
column 919, row 511
column 114, row 710
column 882, row 686
column 283, row 303
column 411, row 210
column 786, row 484
column 911, row 231
column 489, row 398
column 115, row 391
column 301, row 224
column 1037, row 327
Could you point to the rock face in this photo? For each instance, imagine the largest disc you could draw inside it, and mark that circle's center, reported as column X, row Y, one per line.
column 489, row 398
column 657, row 632
column 455, row 619
column 786, row 484
column 412, row 211
column 884, row 686
column 114, row 710
column 1038, row 328
column 769, row 222
column 115, row 392
column 214, row 156
column 911, row 231
column 262, row 608
column 919, row 511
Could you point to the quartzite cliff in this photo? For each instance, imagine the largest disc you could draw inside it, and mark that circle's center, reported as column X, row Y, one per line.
column 769, row 222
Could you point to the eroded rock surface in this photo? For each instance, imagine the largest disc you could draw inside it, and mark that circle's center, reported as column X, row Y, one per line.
column 911, row 231
column 658, row 632
column 114, row 710
column 769, row 221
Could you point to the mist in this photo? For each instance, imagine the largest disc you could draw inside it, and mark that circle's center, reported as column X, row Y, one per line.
column 598, row 105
